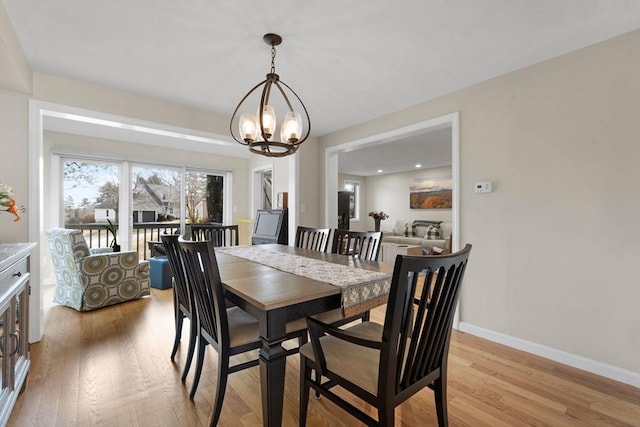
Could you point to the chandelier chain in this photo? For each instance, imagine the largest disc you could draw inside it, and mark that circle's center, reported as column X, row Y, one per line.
column 273, row 59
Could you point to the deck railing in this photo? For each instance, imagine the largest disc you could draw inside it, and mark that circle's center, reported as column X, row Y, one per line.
column 97, row 236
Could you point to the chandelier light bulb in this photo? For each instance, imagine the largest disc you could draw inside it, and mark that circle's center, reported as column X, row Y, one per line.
column 291, row 127
column 268, row 121
column 248, row 127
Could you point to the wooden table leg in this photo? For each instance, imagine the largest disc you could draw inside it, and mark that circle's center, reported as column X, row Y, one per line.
column 273, row 362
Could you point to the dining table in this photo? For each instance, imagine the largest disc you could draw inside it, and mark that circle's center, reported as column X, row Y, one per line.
column 278, row 284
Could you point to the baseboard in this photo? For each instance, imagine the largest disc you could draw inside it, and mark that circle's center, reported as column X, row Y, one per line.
column 579, row 362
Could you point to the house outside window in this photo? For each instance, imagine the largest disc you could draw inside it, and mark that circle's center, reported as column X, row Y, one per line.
column 354, row 200
column 92, row 191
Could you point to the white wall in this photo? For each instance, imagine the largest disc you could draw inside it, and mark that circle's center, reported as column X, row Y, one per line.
column 308, row 185
column 14, row 152
column 390, row 193
column 15, row 72
column 556, row 245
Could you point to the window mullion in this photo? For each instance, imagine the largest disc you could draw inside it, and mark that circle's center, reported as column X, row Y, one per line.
column 183, row 201
column 125, row 220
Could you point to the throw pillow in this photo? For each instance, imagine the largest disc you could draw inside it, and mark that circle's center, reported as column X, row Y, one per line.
column 422, row 225
column 409, row 230
column 420, row 229
column 433, row 232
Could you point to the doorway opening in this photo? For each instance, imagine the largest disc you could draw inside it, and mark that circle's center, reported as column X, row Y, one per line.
column 388, row 139
column 261, row 188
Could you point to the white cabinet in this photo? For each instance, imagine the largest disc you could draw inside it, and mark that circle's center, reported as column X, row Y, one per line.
column 389, row 251
column 14, row 323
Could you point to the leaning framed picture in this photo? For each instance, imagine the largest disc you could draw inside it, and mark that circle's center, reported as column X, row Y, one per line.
column 430, row 193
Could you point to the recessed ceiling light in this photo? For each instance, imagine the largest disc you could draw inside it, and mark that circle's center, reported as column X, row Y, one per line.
column 418, row 165
column 379, row 170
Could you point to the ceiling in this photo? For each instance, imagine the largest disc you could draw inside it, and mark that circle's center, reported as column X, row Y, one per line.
column 350, row 61
column 423, row 150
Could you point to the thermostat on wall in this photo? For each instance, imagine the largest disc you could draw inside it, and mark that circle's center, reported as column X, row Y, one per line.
column 483, row 187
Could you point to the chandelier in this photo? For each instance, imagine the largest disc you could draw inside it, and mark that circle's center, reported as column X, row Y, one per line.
column 259, row 131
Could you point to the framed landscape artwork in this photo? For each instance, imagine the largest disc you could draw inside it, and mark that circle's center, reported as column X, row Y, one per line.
column 430, row 193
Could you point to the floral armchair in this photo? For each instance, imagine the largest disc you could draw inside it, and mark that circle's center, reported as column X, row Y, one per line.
column 87, row 281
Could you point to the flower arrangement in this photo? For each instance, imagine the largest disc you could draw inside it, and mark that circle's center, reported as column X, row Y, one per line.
column 8, row 202
column 378, row 215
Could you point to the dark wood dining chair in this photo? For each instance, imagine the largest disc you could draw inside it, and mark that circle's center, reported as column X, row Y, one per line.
column 221, row 235
column 201, row 232
column 229, row 331
column 384, row 365
column 361, row 244
column 183, row 304
column 316, row 239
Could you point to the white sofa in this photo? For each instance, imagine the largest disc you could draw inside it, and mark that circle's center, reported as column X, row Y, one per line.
column 414, row 233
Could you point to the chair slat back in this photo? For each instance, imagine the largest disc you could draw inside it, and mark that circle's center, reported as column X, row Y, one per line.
column 417, row 331
column 316, row 239
column 226, row 235
column 202, row 232
column 361, row 244
column 340, row 241
column 203, row 278
column 220, row 235
column 182, row 295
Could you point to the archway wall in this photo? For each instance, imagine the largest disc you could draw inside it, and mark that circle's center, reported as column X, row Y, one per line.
column 559, row 141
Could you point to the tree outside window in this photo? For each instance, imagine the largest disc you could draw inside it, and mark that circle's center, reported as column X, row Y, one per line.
column 204, row 194
column 91, row 189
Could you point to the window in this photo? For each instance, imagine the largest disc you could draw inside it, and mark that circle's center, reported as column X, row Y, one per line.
column 155, row 194
column 91, row 194
column 354, row 201
column 204, row 197
column 156, row 199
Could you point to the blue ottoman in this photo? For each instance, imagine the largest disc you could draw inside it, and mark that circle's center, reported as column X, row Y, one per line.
column 159, row 273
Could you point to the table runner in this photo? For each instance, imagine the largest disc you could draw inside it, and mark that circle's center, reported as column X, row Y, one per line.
column 362, row 289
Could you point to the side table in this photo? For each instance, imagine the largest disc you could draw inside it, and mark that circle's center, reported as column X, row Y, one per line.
column 160, row 273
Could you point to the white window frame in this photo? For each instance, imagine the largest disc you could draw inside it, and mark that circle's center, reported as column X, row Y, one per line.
column 125, row 222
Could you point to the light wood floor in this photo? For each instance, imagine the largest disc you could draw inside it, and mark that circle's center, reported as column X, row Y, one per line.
column 111, row 367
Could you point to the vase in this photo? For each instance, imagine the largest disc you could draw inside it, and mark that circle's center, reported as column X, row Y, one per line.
column 376, row 223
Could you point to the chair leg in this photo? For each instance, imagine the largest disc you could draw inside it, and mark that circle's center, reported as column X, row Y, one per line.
column 303, row 339
column 319, row 381
column 223, row 373
column 199, row 363
column 440, row 392
column 386, row 415
column 192, row 344
column 305, row 372
column 176, row 342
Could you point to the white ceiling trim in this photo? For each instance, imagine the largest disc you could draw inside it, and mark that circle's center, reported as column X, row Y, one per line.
column 78, row 121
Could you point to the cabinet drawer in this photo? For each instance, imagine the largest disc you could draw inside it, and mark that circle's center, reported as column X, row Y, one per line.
column 13, row 273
